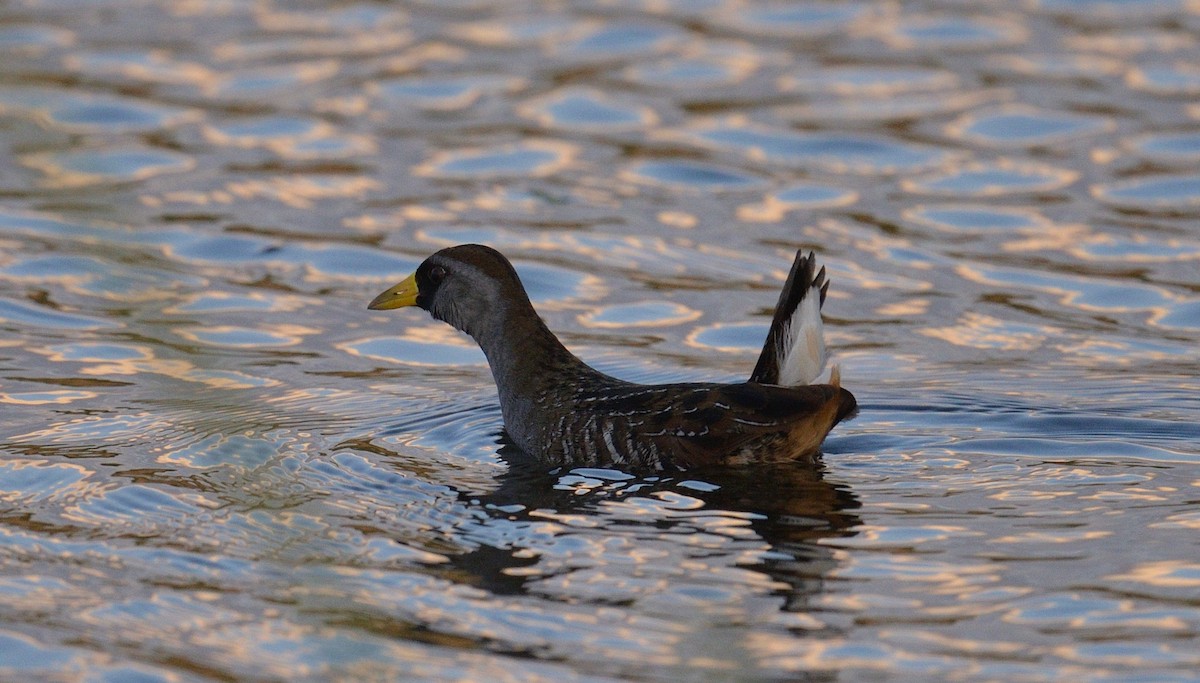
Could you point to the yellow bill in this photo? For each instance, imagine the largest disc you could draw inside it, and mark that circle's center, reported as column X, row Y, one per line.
column 403, row 294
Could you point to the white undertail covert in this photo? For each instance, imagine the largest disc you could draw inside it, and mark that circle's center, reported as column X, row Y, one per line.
column 802, row 346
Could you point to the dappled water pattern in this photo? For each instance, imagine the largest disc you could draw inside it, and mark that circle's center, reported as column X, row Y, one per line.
column 215, row 464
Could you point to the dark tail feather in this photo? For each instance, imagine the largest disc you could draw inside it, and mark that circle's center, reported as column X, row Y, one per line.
column 848, row 406
column 800, row 280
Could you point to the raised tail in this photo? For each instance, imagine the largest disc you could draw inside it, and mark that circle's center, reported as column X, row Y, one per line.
column 794, row 352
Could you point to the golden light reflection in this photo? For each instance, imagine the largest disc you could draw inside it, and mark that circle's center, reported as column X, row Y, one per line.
column 712, row 64
column 1030, row 496
column 71, row 169
column 152, row 66
column 635, row 117
column 677, row 219
column 93, row 429
column 663, row 314
column 964, row 128
column 42, row 398
column 980, row 331
column 1185, row 81
column 389, row 552
column 992, row 179
column 280, row 335
column 442, row 335
column 865, row 601
column 1114, row 657
column 941, row 642
column 1185, row 520
column 798, row 620
column 1068, row 65
column 784, row 651
column 418, row 56
column 1122, row 497
column 915, row 33
column 1078, row 292
column 288, row 19
column 1057, row 537
column 31, row 593
column 374, row 222
column 1049, row 236
column 874, row 81
column 1113, row 352
column 294, row 73
column 513, row 160
column 696, row 339
column 904, row 309
column 1134, row 249
column 300, row 192
column 421, row 212
column 421, row 345
column 882, row 109
column 1164, row 574
column 348, row 106
column 773, row 209
column 23, row 480
column 899, row 537
column 501, row 33
column 1124, row 44
column 293, row 145
column 225, row 302
column 137, row 359
column 679, row 256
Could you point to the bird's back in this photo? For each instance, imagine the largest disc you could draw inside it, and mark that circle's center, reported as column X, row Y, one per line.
column 690, row 425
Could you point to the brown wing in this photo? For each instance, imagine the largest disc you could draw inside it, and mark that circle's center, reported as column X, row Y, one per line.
column 752, row 422
column 707, row 424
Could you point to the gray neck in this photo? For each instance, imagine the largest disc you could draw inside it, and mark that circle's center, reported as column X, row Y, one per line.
column 531, row 367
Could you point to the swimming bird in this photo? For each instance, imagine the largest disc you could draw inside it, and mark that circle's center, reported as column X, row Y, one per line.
column 563, row 411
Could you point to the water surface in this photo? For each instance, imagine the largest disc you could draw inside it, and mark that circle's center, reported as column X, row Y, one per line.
column 216, row 464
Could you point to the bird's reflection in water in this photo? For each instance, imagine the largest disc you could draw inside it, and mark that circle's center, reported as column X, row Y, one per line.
column 791, row 507
column 797, row 508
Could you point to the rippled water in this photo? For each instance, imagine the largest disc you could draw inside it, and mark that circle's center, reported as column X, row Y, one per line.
column 215, row 464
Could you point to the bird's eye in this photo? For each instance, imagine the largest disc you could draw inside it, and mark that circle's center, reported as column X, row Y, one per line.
column 437, row 274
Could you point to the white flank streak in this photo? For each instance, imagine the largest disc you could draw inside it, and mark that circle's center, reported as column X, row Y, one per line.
column 612, row 448
column 802, row 358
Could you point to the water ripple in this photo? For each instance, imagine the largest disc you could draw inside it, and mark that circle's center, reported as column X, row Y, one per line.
column 1026, row 126
column 993, row 179
column 953, row 33
column 77, row 169
column 13, row 312
column 92, row 113
column 797, row 19
column 619, row 41
column 1181, row 149
column 1166, row 80
column 836, row 153
column 870, row 81
column 442, row 93
column 32, row 39
column 692, row 176
column 532, row 158
column 706, row 68
column 418, row 346
column 1154, row 193
column 589, row 110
